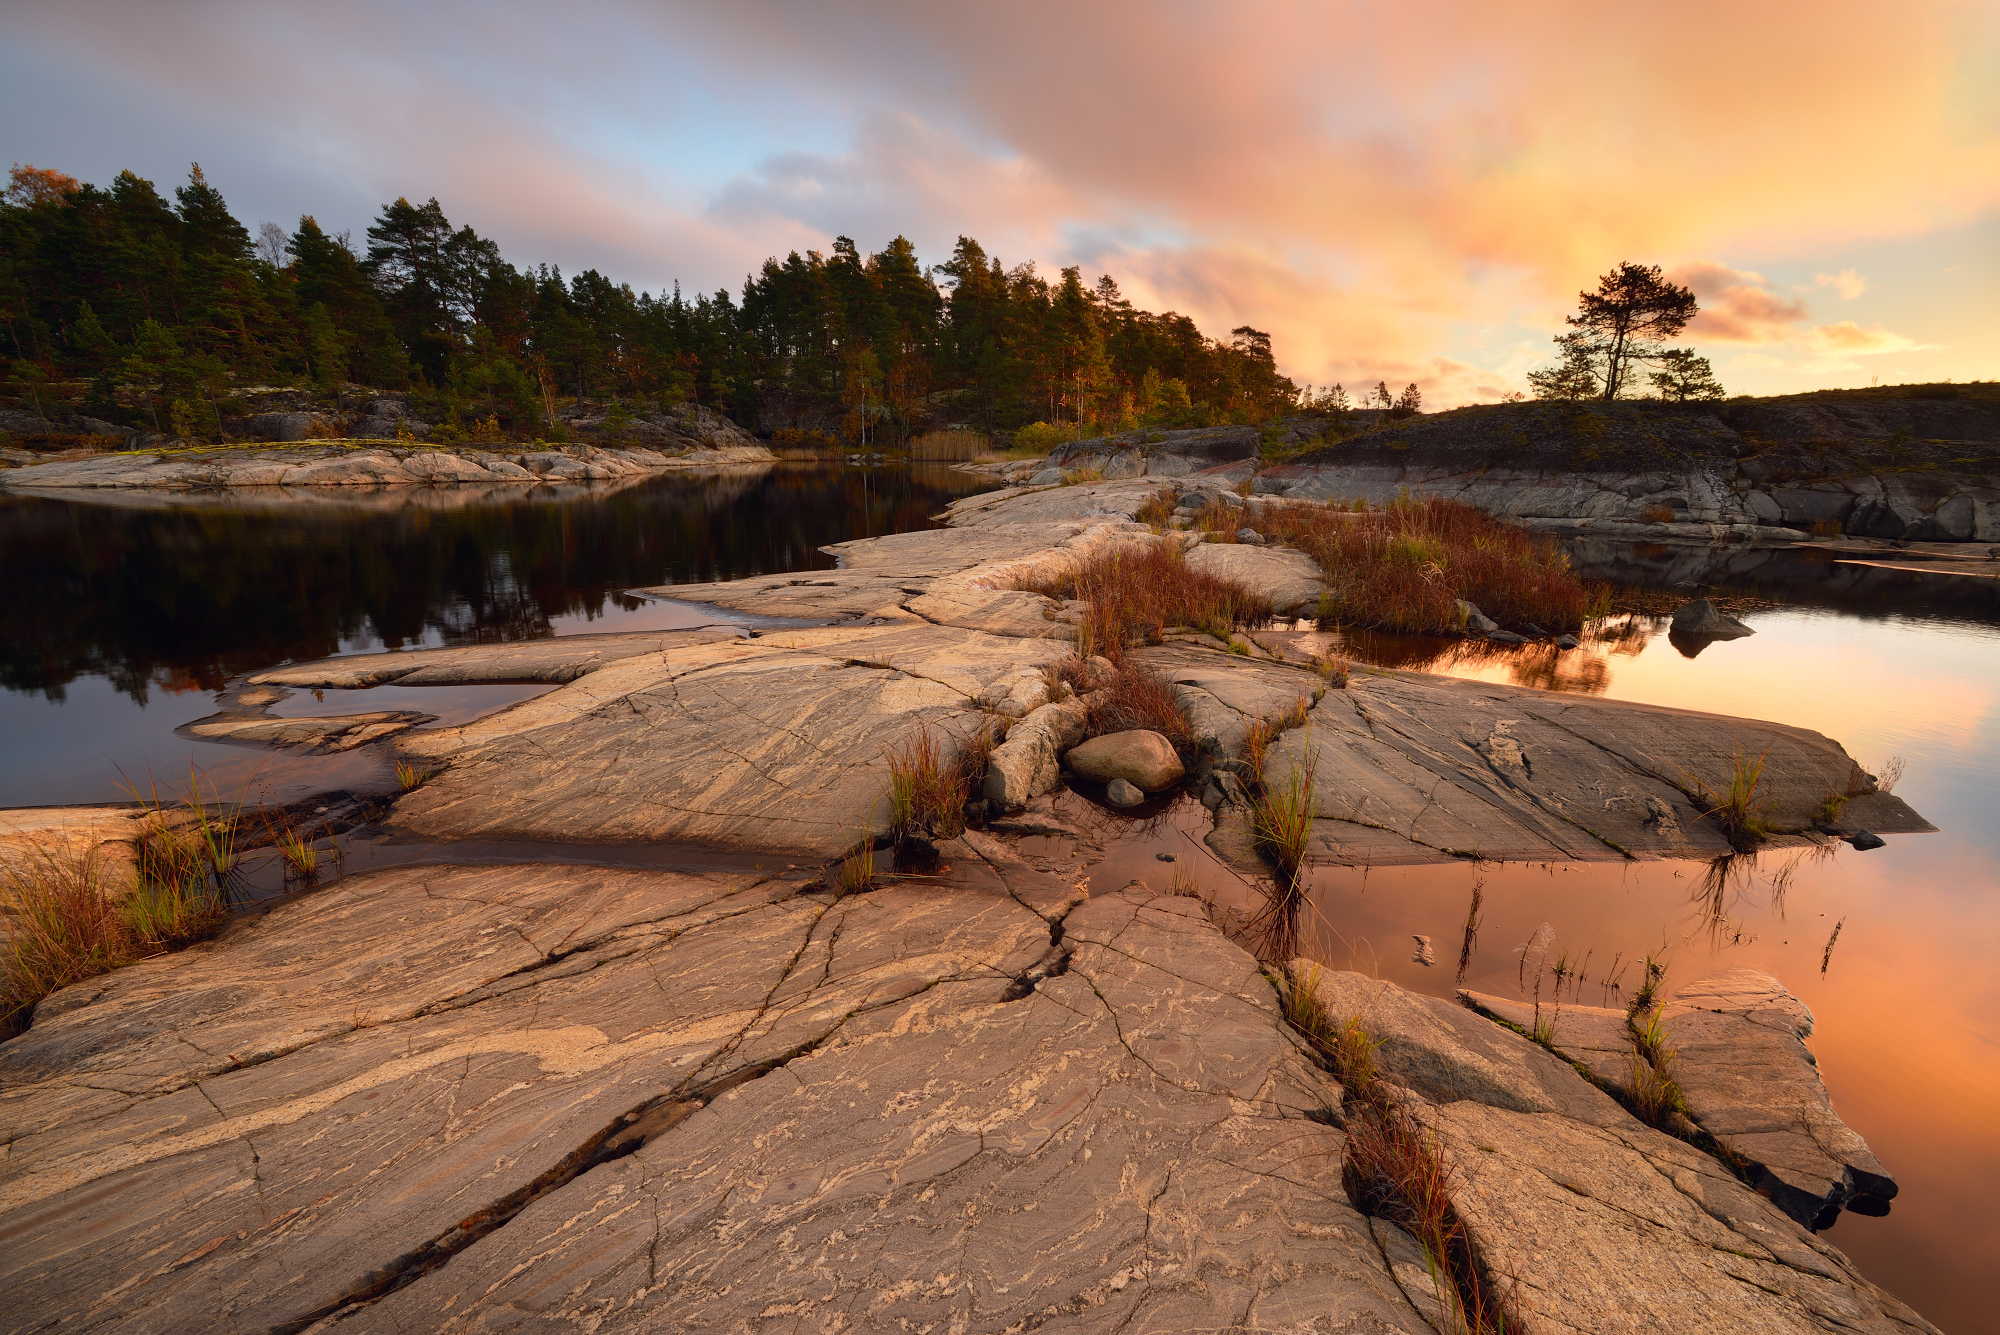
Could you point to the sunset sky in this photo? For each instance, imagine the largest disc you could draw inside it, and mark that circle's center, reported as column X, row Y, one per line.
column 1401, row 192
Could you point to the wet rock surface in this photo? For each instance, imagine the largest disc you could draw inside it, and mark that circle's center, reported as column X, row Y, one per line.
column 1750, row 1079
column 342, row 733
column 1740, row 1059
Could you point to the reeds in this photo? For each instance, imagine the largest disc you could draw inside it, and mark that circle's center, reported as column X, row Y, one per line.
column 1136, row 590
column 409, row 778
column 950, row 446
column 1406, row 567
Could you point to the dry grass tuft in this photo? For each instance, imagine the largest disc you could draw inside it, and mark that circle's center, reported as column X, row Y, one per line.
column 409, row 778
column 1137, row 697
column 63, row 929
column 1395, row 1169
column 857, row 870
column 1745, row 820
column 1136, row 590
column 1157, row 510
column 1406, row 567
column 928, row 790
column 1650, row 1091
column 1282, row 817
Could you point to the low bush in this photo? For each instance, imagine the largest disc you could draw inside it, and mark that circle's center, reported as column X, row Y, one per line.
column 1038, row 438
column 1406, row 567
column 1137, row 590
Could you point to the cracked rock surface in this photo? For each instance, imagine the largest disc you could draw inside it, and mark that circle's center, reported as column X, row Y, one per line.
column 560, row 1096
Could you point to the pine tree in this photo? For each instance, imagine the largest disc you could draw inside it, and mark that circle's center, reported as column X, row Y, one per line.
column 1684, row 377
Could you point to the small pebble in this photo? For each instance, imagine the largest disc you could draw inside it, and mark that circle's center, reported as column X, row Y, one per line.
column 1863, row 840
column 1164, row 857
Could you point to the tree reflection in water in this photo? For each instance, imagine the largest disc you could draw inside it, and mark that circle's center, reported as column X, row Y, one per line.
column 183, row 593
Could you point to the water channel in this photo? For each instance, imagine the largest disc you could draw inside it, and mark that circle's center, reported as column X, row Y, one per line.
column 127, row 620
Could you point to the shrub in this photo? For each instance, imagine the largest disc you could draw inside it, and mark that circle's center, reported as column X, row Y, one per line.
column 1406, row 567
column 1037, row 438
column 1136, row 590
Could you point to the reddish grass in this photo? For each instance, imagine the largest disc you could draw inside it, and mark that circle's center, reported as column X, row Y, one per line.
column 928, row 789
column 1137, row 590
column 1405, row 568
column 1138, row 697
column 1157, row 509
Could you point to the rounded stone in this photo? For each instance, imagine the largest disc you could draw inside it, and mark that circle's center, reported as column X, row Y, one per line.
column 1122, row 794
column 1141, row 758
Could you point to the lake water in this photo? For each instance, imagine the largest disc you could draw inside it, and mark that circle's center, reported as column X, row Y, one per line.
column 126, row 620
column 1890, row 664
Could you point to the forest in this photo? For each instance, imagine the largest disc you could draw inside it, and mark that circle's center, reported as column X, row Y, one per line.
column 166, row 310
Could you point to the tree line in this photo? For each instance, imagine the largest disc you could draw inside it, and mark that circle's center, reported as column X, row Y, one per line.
column 168, row 308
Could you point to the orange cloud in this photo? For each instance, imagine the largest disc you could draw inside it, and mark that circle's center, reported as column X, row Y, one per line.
column 1738, row 307
column 1391, row 190
column 1850, row 338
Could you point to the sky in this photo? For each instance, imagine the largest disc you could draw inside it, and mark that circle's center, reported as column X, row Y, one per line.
column 1412, row 192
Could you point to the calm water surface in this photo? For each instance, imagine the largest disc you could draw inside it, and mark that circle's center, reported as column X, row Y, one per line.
column 1908, row 1003
column 126, row 621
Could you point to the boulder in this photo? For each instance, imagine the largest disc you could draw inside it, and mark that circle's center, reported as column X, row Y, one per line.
column 1702, row 618
column 1144, row 759
column 1027, row 764
column 1290, row 579
column 1472, row 619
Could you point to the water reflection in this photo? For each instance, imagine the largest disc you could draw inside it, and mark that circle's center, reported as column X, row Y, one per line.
column 179, row 596
column 123, row 602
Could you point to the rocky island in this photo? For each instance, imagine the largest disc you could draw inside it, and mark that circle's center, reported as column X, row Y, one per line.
column 797, row 1090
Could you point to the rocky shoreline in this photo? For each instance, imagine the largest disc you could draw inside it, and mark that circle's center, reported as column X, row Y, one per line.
column 558, row 1095
column 1770, row 472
